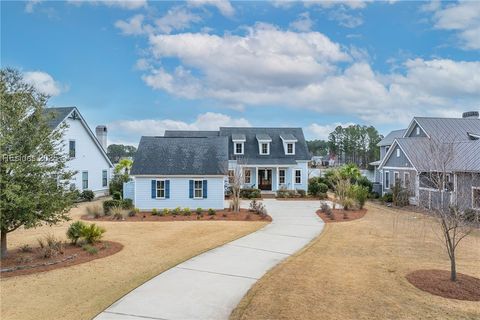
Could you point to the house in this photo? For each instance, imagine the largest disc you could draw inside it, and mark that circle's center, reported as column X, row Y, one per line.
column 86, row 151
column 271, row 158
column 447, row 149
column 187, row 172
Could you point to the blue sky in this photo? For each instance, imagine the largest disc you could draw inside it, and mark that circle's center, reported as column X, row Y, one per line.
column 142, row 67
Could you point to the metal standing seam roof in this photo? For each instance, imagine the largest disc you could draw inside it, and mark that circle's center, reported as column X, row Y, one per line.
column 449, row 129
column 389, row 138
column 181, row 156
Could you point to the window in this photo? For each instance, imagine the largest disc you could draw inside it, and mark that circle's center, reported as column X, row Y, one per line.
column 71, row 148
column 449, row 186
column 418, row 131
column 198, row 189
column 104, row 178
column 387, row 180
column 476, row 197
column 398, row 152
column 396, row 177
column 406, row 180
column 248, row 176
column 298, row 176
column 264, row 148
column 238, row 148
column 85, row 180
column 281, row 176
column 290, row 148
column 231, row 176
column 161, row 189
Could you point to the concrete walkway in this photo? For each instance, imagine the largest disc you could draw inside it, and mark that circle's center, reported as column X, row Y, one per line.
column 210, row 286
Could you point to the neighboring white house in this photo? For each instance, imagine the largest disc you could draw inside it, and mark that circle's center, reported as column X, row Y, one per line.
column 271, row 158
column 178, row 172
column 86, row 151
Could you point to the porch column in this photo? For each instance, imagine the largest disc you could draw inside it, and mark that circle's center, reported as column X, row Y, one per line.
column 278, row 179
column 292, row 173
column 256, row 178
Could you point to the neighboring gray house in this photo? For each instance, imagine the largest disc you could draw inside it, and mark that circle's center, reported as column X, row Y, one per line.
column 271, row 158
column 170, row 172
column 428, row 146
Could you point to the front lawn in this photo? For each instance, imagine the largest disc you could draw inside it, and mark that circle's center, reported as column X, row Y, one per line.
column 357, row 270
column 81, row 291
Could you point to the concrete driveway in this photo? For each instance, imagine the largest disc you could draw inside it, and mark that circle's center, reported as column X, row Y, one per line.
column 209, row 286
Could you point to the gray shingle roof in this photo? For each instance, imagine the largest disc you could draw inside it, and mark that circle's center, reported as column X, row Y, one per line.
column 388, row 140
column 288, row 136
column 450, row 129
column 263, row 137
column 238, row 137
column 181, row 156
column 190, row 133
column 277, row 153
column 56, row 115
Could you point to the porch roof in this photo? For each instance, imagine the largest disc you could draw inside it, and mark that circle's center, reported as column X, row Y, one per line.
column 267, row 161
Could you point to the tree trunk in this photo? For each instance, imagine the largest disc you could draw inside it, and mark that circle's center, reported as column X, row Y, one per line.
column 4, row 245
column 453, row 269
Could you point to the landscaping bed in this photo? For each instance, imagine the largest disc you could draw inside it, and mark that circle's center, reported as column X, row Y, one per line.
column 226, row 215
column 28, row 260
column 340, row 215
column 438, row 282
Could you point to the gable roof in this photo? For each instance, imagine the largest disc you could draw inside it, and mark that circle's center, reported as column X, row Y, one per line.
column 190, row 133
column 446, row 129
column 56, row 115
column 277, row 154
column 388, row 140
column 181, row 156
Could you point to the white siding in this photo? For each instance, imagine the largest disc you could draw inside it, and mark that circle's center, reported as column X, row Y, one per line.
column 129, row 190
column 88, row 157
column 179, row 194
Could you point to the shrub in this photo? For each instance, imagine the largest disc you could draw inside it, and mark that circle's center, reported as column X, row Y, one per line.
column 51, row 247
column 23, row 260
column 211, row 212
column 302, row 193
column 325, row 208
column 74, row 231
column 109, row 204
column 292, row 193
column 360, row 194
column 26, row 248
column 176, row 211
column 387, row 197
column 313, row 186
column 253, row 205
column 322, row 196
column 186, row 211
column 127, row 204
column 94, row 211
column 250, row 193
column 117, row 195
column 92, row 233
column 165, row 212
column 364, row 182
column 87, row 195
column 199, row 211
column 471, row 215
column 90, row 249
column 117, row 213
column 134, row 212
column 282, row 192
column 154, row 212
column 322, row 187
column 348, row 203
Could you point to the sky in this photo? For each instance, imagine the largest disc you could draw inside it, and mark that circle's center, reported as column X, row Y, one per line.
column 141, row 67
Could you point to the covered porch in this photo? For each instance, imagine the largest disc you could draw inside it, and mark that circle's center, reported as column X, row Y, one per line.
column 269, row 178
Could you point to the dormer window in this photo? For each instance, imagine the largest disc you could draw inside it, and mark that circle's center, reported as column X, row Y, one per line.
column 418, row 131
column 238, row 143
column 398, row 152
column 264, row 141
column 288, row 143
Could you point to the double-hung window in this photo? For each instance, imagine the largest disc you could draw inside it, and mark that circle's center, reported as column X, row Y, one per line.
column 264, row 148
column 85, row 180
column 476, row 197
column 198, row 189
column 281, row 176
column 298, row 176
column 248, row 176
column 238, row 148
column 290, row 148
column 104, row 178
column 71, row 148
column 387, row 180
column 161, row 189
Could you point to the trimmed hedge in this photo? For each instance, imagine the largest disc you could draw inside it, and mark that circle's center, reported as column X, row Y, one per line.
column 250, row 193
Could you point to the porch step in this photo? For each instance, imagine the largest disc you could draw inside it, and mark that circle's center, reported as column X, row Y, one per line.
column 268, row 195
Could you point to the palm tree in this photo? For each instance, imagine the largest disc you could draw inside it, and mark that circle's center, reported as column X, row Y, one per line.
column 125, row 165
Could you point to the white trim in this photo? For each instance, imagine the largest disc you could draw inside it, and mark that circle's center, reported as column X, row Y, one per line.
column 235, row 143
column 85, row 171
column 245, row 175
column 201, row 189
column 395, row 173
column 400, row 168
column 473, row 202
column 284, row 175
column 75, row 142
column 178, row 176
column 386, row 185
column 398, row 152
column 104, row 170
column 295, row 176
column 260, row 148
column 405, row 179
column 410, row 128
column 293, row 148
column 389, row 153
column 164, row 189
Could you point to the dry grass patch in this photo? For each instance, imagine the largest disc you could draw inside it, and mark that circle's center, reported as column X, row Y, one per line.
column 356, row 270
column 82, row 291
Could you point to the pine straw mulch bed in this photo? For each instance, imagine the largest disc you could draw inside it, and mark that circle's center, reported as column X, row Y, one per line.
column 20, row 263
column 342, row 215
column 220, row 215
column 438, row 282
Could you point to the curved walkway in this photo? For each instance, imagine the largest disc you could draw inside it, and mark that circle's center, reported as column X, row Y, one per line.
column 209, row 286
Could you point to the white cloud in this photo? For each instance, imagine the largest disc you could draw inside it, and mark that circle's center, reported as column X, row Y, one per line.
column 224, row 6
column 462, row 17
column 43, row 82
column 123, row 4
column 303, row 23
column 30, row 5
column 353, row 4
column 134, row 26
column 177, row 18
column 345, row 19
column 133, row 129
column 319, row 131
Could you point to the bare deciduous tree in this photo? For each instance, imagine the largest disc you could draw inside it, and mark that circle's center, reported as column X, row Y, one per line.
column 236, row 180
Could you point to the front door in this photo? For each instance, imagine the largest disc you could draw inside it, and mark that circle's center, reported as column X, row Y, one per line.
column 265, row 179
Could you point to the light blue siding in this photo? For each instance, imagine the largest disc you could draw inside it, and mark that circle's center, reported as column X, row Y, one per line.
column 179, row 194
column 129, row 190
